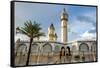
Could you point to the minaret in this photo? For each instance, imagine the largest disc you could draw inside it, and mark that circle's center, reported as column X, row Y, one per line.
column 52, row 36
column 64, row 22
column 51, row 31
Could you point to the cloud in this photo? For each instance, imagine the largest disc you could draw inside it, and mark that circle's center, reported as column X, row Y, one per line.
column 80, row 27
column 21, row 37
column 43, row 38
column 92, row 30
column 83, row 26
column 85, row 19
column 26, row 38
column 90, row 18
column 88, row 35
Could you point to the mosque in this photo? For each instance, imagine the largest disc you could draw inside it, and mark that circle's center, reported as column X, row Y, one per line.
column 48, row 52
column 52, row 36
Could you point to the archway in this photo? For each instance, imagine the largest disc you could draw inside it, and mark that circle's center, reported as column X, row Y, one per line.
column 21, row 49
column 20, row 54
column 84, row 51
column 68, row 51
column 34, row 54
column 62, row 55
column 47, row 50
column 83, row 47
column 34, row 49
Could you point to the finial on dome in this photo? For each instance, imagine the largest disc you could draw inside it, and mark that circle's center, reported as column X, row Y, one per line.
column 64, row 10
column 52, row 26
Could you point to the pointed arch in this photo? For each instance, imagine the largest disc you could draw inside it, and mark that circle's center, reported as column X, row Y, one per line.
column 83, row 47
column 47, row 48
column 34, row 49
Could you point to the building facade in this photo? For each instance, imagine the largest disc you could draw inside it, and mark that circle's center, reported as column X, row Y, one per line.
column 49, row 52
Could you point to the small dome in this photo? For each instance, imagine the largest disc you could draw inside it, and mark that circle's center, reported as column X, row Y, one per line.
column 52, row 27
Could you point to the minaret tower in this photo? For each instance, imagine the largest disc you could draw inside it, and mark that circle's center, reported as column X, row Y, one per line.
column 64, row 22
column 52, row 36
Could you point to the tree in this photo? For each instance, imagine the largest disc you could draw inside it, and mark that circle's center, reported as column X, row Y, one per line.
column 32, row 30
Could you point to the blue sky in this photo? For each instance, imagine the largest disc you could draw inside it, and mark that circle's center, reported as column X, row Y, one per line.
column 82, row 19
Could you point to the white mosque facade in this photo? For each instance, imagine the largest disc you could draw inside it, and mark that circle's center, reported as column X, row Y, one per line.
column 48, row 52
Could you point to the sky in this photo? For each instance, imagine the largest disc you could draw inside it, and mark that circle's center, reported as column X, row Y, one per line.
column 81, row 19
